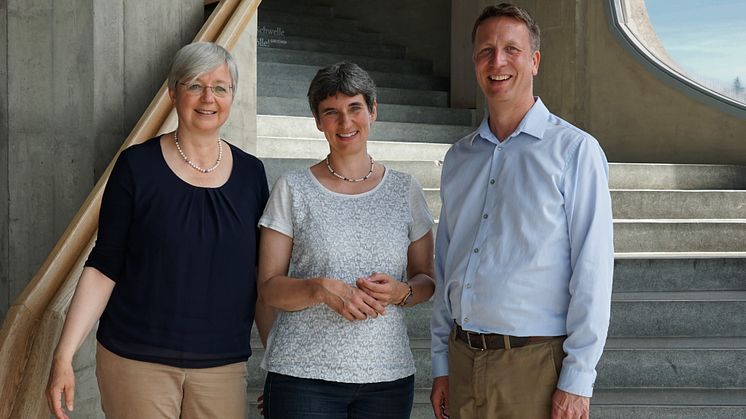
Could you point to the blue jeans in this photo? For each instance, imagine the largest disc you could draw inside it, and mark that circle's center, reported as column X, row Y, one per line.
column 287, row 397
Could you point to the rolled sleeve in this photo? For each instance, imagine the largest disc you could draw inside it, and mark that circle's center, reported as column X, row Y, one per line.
column 278, row 212
column 109, row 254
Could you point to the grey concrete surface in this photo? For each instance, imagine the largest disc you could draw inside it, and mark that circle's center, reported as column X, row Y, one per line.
column 279, row 29
column 322, row 59
column 679, row 236
column 426, row 172
column 240, row 129
column 676, row 176
column 305, row 127
column 4, row 186
column 717, row 274
column 421, row 25
column 71, row 92
column 383, row 79
column 402, row 96
column 283, row 147
column 636, row 204
column 386, row 111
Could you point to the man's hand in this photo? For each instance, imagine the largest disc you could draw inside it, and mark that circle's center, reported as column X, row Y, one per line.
column 439, row 397
column 569, row 406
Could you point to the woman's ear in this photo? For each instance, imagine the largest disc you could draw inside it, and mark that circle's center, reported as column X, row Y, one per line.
column 374, row 111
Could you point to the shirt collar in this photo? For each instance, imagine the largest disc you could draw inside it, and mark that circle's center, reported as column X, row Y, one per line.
column 534, row 123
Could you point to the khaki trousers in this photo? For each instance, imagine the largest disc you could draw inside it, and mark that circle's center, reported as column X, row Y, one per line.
column 137, row 390
column 516, row 383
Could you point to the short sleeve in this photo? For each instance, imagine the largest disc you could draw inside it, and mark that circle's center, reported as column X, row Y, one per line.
column 278, row 212
column 422, row 220
column 108, row 255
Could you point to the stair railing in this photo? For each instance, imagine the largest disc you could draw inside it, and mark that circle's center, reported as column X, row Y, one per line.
column 34, row 321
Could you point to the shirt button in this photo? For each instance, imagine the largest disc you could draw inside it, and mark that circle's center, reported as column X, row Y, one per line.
column 485, row 216
column 468, row 285
column 466, row 320
column 492, row 181
column 476, row 250
column 500, row 148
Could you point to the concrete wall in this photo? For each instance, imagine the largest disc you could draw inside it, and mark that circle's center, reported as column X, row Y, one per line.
column 4, row 233
column 240, row 129
column 420, row 25
column 588, row 78
column 79, row 75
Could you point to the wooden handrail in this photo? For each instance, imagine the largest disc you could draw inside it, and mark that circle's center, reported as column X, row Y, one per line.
column 55, row 280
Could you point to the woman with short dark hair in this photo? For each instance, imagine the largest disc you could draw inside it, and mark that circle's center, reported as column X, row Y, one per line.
column 346, row 246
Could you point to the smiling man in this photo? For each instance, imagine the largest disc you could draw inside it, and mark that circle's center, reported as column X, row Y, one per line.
column 524, row 252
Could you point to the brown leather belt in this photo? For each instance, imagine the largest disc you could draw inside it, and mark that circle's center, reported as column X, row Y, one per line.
column 482, row 341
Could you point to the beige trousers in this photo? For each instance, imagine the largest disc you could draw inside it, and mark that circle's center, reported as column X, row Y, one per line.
column 516, row 383
column 136, row 389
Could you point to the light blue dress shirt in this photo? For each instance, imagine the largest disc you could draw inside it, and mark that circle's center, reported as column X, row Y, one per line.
column 524, row 244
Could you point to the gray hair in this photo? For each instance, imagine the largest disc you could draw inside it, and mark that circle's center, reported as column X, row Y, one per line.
column 194, row 60
column 343, row 77
column 512, row 11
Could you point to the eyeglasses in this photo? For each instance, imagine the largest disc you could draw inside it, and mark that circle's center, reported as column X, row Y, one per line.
column 196, row 89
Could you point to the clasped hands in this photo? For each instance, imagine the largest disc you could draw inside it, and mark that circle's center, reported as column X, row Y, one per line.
column 367, row 298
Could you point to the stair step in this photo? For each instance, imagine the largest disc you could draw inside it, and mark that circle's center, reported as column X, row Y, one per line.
column 297, row 8
column 282, row 147
column 677, row 235
column 690, row 368
column 305, row 127
column 426, row 172
column 711, row 313
column 694, row 274
column 678, row 204
column 322, row 59
column 386, row 112
column 668, row 403
column 299, row 89
column 276, row 39
column 683, row 235
column 289, row 18
column 679, row 367
column 305, row 73
column 705, row 313
column 278, row 30
column 663, row 208
column 676, row 176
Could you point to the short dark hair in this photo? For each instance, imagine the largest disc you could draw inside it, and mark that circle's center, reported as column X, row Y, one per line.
column 512, row 11
column 343, row 77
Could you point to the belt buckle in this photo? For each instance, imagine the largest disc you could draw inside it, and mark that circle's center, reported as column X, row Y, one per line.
column 468, row 340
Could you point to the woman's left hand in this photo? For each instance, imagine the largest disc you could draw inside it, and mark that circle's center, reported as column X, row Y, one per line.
column 383, row 288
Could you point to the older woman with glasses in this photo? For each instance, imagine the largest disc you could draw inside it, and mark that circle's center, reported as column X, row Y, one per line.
column 173, row 274
column 346, row 247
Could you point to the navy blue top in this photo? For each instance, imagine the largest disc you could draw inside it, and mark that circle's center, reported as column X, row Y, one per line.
column 183, row 258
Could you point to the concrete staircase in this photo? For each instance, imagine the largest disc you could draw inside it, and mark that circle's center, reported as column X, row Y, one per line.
column 677, row 341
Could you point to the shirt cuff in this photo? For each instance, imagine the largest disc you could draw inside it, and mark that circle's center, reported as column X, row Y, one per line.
column 575, row 382
column 440, row 365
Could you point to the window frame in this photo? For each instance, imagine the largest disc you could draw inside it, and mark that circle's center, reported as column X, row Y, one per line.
column 691, row 88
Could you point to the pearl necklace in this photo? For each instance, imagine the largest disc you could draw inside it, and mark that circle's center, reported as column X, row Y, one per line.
column 370, row 172
column 191, row 163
